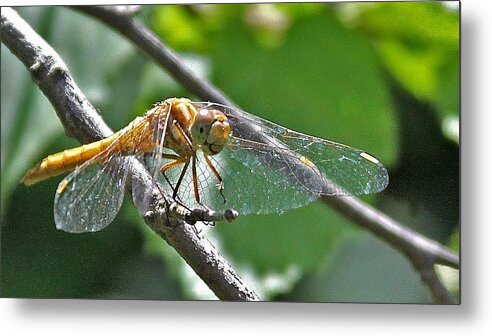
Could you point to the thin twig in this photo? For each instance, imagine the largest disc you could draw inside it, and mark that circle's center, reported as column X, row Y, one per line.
column 82, row 122
column 425, row 266
column 413, row 245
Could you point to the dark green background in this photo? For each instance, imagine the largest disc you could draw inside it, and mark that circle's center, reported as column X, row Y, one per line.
column 380, row 76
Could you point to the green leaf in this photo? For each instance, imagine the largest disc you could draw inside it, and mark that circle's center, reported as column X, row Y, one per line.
column 419, row 44
column 363, row 269
column 329, row 86
column 302, row 237
column 179, row 27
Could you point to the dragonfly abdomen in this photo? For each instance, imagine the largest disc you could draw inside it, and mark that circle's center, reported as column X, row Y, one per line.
column 66, row 161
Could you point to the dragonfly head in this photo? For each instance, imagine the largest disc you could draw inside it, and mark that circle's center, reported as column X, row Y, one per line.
column 210, row 131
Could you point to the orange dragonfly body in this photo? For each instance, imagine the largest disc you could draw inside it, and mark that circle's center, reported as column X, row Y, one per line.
column 178, row 114
column 237, row 161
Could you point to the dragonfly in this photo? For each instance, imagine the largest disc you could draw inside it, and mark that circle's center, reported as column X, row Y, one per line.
column 205, row 155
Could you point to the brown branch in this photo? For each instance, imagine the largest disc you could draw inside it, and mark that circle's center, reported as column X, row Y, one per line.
column 425, row 266
column 413, row 245
column 82, row 122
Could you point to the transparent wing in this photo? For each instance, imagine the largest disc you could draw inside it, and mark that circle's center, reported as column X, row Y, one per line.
column 247, row 190
column 269, row 168
column 251, row 186
column 89, row 198
column 142, row 187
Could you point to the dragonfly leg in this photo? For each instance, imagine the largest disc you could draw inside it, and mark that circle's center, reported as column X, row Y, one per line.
column 181, row 176
column 195, row 179
column 164, row 168
column 188, row 141
column 195, row 188
column 169, row 165
column 177, row 160
column 217, row 175
column 170, row 156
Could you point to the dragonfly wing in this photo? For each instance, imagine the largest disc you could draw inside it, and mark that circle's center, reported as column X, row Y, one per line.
column 142, row 187
column 89, row 198
column 294, row 167
column 251, row 185
column 348, row 171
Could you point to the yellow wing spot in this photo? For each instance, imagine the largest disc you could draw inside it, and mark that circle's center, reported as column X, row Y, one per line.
column 369, row 157
column 63, row 185
column 307, row 162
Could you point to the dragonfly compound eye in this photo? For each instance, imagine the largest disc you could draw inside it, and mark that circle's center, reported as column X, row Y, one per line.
column 201, row 126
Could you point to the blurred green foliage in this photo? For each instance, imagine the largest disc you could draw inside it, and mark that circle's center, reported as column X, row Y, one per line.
column 337, row 71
